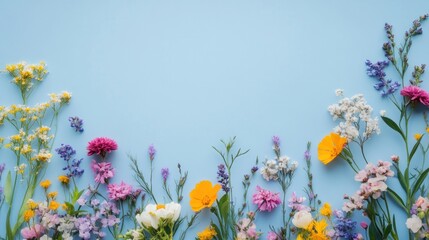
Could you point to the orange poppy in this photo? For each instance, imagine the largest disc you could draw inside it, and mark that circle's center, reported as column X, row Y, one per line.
column 203, row 195
column 330, row 147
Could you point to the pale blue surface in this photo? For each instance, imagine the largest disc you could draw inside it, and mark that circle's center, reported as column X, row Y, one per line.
column 184, row 74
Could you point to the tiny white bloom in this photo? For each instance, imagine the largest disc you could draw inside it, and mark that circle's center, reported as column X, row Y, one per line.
column 414, row 223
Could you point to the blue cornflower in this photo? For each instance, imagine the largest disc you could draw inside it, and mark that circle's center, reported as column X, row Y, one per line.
column 67, row 153
column 223, row 178
column 76, row 123
column 376, row 70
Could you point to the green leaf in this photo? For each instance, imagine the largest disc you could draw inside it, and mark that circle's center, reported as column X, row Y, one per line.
column 224, row 206
column 413, row 151
column 401, row 178
column 397, row 198
column 393, row 126
column 8, row 188
column 419, row 181
column 387, row 231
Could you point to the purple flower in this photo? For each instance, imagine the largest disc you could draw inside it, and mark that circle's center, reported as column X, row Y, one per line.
column 254, row 169
column 276, row 141
column 344, row 228
column 272, row 236
column 223, row 178
column 119, row 191
column 152, row 152
column 66, row 152
column 165, row 172
column 101, row 146
column 265, row 199
column 2, row 166
column 103, row 171
column 376, row 70
column 76, row 123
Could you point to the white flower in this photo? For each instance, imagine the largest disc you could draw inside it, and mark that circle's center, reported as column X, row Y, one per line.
column 302, row 219
column 414, row 223
column 339, row 92
column 383, row 113
column 154, row 212
column 269, row 170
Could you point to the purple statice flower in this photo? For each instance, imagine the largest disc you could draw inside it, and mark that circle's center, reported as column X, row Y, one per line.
column 85, row 227
column 76, row 123
column 223, row 178
column 67, row 153
column 151, row 151
column 164, row 173
column 383, row 85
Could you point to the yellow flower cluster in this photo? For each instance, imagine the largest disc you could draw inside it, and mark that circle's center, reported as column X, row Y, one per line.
column 207, row 234
column 24, row 73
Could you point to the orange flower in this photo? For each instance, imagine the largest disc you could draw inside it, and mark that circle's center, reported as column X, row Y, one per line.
column 330, row 147
column 53, row 205
column 63, row 179
column 203, row 195
column 45, row 184
column 28, row 215
column 207, row 234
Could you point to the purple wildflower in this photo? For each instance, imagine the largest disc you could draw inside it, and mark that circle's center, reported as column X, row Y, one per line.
column 254, row 169
column 223, row 178
column 67, row 153
column 276, row 141
column 76, row 123
column 345, row 227
column 376, row 70
column 165, row 172
column 152, row 152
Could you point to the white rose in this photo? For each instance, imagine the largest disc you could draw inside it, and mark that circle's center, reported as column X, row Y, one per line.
column 414, row 223
column 148, row 217
column 302, row 219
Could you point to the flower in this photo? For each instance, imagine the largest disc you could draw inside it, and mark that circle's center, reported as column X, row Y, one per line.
column 246, row 229
column 207, row 234
column 151, row 151
column 330, row 147
column 52, row 195
column 63, row 179
column 203, row 195
column 103, row 171
column 67, row 153
column 302, row 219
column 265, row 199
column 45, row 184
column 53, row 205
column 414, row 223
column 376, row 70
column 32, row 232
column 153, row 213
column 417, row 136
column 223, row 178
column 76, row 123
column 272, row 236
column 164, row 173
column 119, row 191
column 101, row 146
column 326, row 210
column 415, row 93
column 270, row 170
column 28, row 215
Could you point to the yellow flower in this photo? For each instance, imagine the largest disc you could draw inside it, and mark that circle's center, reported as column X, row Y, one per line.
column 64, row 206
column 207, row 234
column 330, row 147
column 28, row 215
column 32, row 204
column 417, row 136
column 44, row 156
column 53, row 205
column 45, row 184
column 52, row 195
column 64, row 179
column 318, row 230
column 427, row 129
column 326, row 210
column 203, row 195
column 65, row 97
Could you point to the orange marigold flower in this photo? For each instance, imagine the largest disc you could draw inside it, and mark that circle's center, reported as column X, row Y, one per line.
column 53, row 205
column 330, row 147
column 203, row 195
column 64, row 179
column 45, row 184
column 28, row 215
column 207, row 234
column 52, row 195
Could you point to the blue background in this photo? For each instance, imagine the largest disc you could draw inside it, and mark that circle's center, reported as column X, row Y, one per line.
column 184, row 74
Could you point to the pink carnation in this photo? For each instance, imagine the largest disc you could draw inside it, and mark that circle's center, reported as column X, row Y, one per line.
column 119, row 191
column 415, row 93
column 265, row 199
column 101, row 146
column 103, row 171
column 33, row 232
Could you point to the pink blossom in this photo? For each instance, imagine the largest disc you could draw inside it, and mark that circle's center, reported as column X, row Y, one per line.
column 265, row 199
column 296, row 203
column 272, row 236
column 32, row 232
column 101, row 146
column 119, row 191
column 415, row 93
column 103, row 171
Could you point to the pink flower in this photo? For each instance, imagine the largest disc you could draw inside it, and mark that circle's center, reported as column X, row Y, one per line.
column 103, row 171
column 32, row 232
column 119, row 191
column 265, row 199
column 415, row 93
column 272, row 236
column 101, row 146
